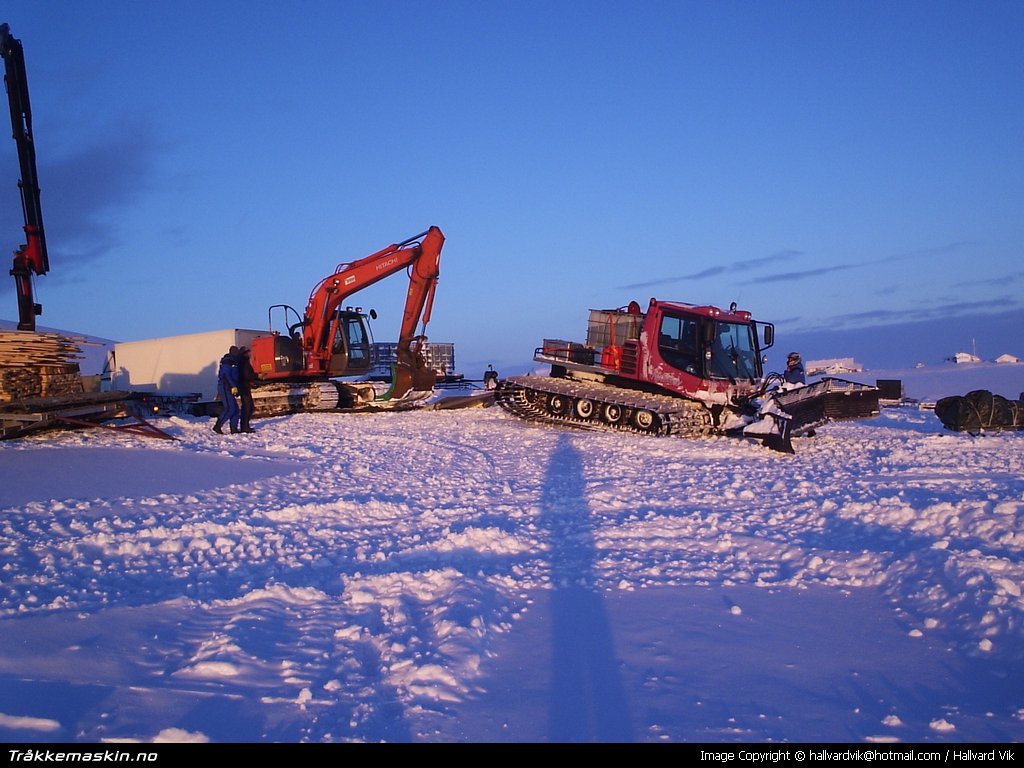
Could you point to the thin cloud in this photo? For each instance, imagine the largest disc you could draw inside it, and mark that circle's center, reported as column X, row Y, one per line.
column 743, row 264
column 948, row 249
column 936, row 311
column 1012, row 277
column 933, row 252
column 791, row 276
column 794, row 320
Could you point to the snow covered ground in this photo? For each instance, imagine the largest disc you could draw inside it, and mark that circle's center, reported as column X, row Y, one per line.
column 463, row 576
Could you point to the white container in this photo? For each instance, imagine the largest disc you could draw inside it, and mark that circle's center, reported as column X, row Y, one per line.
column 175, row 365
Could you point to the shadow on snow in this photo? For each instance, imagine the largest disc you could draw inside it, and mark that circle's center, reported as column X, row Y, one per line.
column 588, row 702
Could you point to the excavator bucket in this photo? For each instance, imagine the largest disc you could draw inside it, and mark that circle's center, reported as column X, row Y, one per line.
column 410, row 382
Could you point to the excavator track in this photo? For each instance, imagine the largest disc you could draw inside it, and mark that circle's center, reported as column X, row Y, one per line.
column 348, row 397
column 597, row 406
column 280, row 399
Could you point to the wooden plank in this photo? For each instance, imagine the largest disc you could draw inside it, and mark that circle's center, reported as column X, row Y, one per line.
column 36, row 364
column 36, row 404
column 58, row 412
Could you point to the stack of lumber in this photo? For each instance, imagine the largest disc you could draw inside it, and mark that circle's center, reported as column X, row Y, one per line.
column 34, row 364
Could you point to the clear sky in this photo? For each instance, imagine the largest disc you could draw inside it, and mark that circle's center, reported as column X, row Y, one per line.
column 827, row 165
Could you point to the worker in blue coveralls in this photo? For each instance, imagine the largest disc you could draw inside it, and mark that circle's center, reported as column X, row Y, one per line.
column 794, row 369
column 227, row 391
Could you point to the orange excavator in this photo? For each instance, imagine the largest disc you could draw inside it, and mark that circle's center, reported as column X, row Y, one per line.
column 30, row 259
column 297, row 369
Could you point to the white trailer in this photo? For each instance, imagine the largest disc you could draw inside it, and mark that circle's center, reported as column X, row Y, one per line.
column 175, row 365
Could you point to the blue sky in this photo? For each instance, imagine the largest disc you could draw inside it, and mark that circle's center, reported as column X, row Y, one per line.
column 830, row 166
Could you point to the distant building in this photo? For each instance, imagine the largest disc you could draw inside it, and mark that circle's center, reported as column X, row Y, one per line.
column 964, row 357
column 836, row 365
column 1007, row 359
column 439, row 356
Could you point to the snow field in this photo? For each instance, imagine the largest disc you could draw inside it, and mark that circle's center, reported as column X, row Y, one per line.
column 357, row 579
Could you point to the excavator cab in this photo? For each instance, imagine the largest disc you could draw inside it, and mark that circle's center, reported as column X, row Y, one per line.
column 282, row 353
column 350, row 346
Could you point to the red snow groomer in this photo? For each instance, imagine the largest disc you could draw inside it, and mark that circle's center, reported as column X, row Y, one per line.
column 678, row 369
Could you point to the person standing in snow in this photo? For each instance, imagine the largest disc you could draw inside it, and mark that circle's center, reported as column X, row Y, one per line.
column 794, row 369
column 246, row 377
column 227, row 390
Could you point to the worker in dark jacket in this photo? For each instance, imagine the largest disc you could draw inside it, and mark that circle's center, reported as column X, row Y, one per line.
column 227, row 391
column 246, row 378
column 794, row 369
